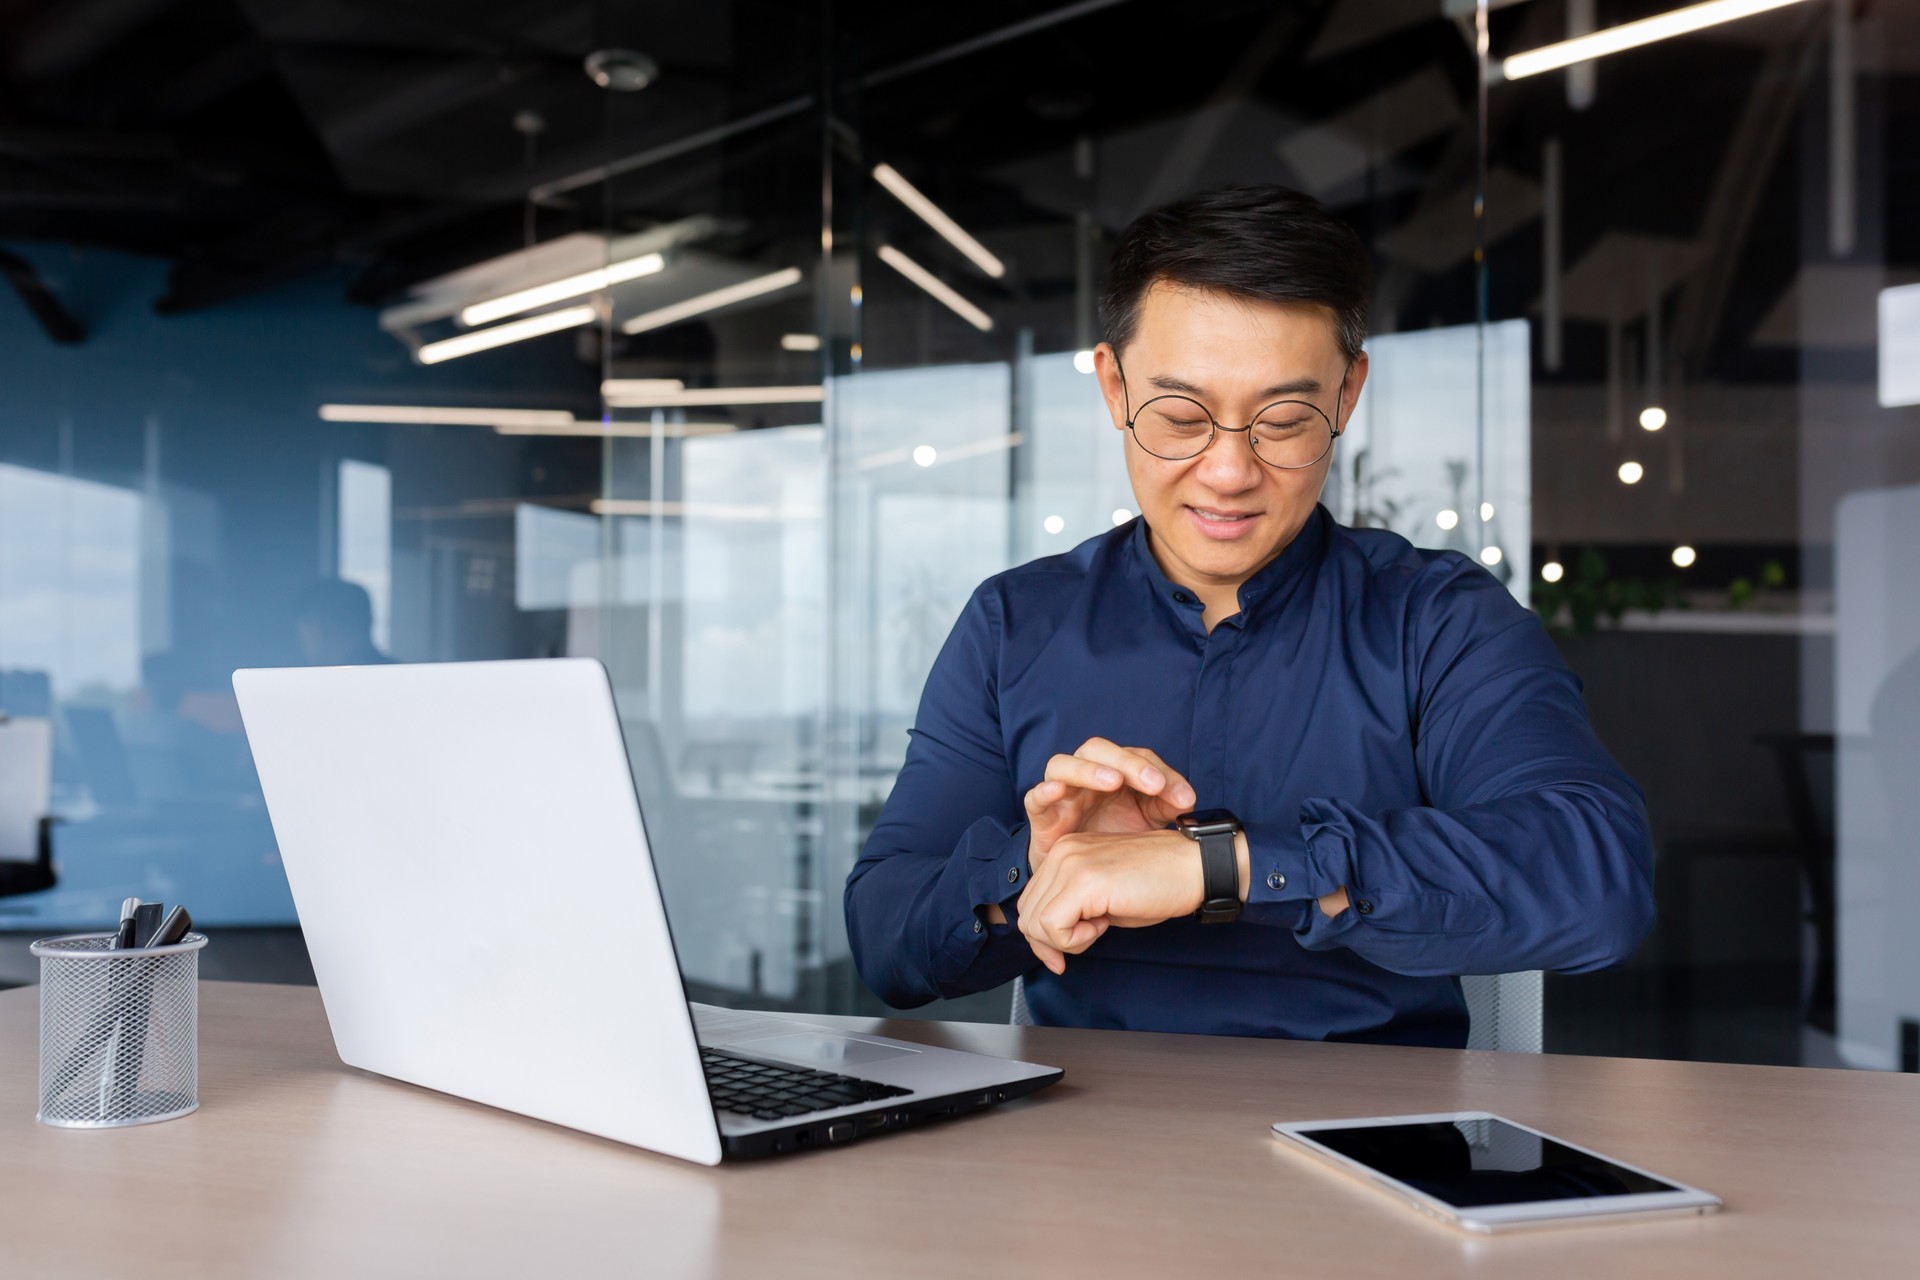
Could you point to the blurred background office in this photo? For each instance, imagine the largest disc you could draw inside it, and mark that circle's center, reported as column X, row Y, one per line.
column 734, row 342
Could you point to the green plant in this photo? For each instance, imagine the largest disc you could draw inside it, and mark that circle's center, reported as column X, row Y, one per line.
column 1575, row 605
column 1742, row 592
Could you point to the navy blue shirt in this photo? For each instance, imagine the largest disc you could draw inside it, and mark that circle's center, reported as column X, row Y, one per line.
column 1380, row 717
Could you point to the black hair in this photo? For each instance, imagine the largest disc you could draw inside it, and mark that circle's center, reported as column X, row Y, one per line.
column 1264, row 244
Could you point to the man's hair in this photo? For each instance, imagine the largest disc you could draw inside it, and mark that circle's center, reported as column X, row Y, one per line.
column 1262, row 244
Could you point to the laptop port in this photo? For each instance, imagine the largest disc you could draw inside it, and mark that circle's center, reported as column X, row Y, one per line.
column 840, row 1131
column 878, row 1120
column 804, row 1138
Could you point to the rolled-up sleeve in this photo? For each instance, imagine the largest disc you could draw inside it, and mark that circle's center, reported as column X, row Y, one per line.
column 1534, row 850
column 951, row 840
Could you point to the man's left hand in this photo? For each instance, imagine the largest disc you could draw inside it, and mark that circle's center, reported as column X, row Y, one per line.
column 1092, row 881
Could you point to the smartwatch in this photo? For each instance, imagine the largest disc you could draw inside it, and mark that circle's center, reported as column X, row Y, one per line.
column 1215, row 831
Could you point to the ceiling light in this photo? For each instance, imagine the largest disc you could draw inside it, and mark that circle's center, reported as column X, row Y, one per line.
column 1490, row 556
column 1652, row 418
column 1447, row 519
column 799, row 342
column 1121, row 515
column 621, row 70
column 1083, row 362
column 1630, row 472
column 1486, row 512
column 587, row 427
column 573, row 286
column 672, row 510
column 909, row 195
column 940, row 289
column 444, row 415
column 654, row 393
column 501, row 334
column 1632, row 34
column 1684, row 556
column 1552, row 571
column 941, row 457
column 702, row 303
column 1053, row 524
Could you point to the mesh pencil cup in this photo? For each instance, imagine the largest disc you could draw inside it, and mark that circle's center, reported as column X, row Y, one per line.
column 119, row 1031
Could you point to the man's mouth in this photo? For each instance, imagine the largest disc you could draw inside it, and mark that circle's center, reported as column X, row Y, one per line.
column 1214, row 516
column 1214, row 522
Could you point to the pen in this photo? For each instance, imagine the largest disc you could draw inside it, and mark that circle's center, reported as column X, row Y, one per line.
column 146, row 918
column 123, row 939
column 172, row 929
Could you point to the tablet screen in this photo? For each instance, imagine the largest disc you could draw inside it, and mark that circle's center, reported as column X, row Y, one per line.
column 1468, row 1163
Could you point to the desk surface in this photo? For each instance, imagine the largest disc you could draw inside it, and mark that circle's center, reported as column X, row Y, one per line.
column 296, row 1166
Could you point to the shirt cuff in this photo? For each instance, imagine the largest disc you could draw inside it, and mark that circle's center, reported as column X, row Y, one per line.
column 992, row 865
column 1290, row 867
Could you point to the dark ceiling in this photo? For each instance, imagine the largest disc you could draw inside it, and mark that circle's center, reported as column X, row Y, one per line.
column 251, row 141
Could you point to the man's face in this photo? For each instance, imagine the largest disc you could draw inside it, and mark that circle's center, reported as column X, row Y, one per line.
column 1217, row 518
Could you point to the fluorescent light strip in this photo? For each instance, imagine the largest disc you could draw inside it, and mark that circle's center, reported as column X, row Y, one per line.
column 932, row 214
column 501, row 334
column 799, row 342
column 699, row 510
column 942, row 456
column 1630, row 35
column 559, row 290
column 644, row 393
column 586, row 427
column 705, row 302
column 940, row 289
column 436, row 415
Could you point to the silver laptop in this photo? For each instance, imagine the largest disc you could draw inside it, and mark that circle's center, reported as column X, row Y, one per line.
column 468, row 860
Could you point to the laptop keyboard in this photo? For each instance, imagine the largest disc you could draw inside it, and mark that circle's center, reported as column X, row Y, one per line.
column 768, row 1092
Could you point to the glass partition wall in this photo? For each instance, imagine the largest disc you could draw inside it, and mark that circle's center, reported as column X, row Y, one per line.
column 1642, row 338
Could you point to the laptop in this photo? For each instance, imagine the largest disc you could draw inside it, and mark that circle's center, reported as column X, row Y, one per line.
column 472, row 873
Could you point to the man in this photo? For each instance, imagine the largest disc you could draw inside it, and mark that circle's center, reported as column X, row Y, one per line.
column 1413, row 790
column 334, row 620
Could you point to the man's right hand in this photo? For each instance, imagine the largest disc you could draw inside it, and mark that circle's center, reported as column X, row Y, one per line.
column 1101, row 787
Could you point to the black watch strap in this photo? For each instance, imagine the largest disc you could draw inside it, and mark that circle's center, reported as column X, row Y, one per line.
column 1220, row 870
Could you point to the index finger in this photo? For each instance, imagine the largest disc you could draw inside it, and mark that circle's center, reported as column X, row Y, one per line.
column 1178, row 795
column 1144, row 771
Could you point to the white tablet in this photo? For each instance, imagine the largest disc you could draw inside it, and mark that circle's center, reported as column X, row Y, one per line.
column 1480, row 1172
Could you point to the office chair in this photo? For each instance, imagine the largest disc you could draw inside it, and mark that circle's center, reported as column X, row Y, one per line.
column 26, row 772
column 1506, row 1011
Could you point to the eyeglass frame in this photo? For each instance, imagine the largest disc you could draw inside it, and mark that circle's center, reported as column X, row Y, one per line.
column 1333, row 432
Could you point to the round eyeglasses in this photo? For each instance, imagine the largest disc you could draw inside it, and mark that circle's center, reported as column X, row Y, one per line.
column 1289, row 434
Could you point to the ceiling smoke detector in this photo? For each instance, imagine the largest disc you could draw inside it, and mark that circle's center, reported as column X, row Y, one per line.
column 621, row 70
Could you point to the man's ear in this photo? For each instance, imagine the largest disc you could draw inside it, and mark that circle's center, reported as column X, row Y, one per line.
column 1106, row 368
column 1350, row 391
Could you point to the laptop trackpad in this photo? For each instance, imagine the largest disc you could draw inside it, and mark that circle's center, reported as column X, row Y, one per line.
column 820, row 1050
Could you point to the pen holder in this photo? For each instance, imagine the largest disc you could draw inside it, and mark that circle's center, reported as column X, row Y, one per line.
column 119, row 1031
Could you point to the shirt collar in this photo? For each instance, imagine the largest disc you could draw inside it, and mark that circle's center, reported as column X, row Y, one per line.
column 1271, row 586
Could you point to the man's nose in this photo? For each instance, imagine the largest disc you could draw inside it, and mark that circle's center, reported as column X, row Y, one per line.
column 1228, row 465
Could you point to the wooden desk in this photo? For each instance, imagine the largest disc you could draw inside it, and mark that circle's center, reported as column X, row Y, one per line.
column 1153, row 1145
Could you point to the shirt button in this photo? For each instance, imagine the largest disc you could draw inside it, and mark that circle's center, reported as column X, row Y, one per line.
column 1181, row 597
column 1013, row 875
column 978, row 927
column 1364, row 907
column 1276, row 882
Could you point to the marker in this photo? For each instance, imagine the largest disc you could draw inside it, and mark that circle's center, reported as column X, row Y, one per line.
column 123, row 939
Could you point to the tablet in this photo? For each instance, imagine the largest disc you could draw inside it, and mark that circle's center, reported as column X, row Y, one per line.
column 1480, row 1172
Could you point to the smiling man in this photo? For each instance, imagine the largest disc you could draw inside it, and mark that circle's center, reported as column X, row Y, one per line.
column 1233, row 768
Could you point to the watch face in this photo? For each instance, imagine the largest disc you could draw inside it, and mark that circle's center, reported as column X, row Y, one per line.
column 1207, row 818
